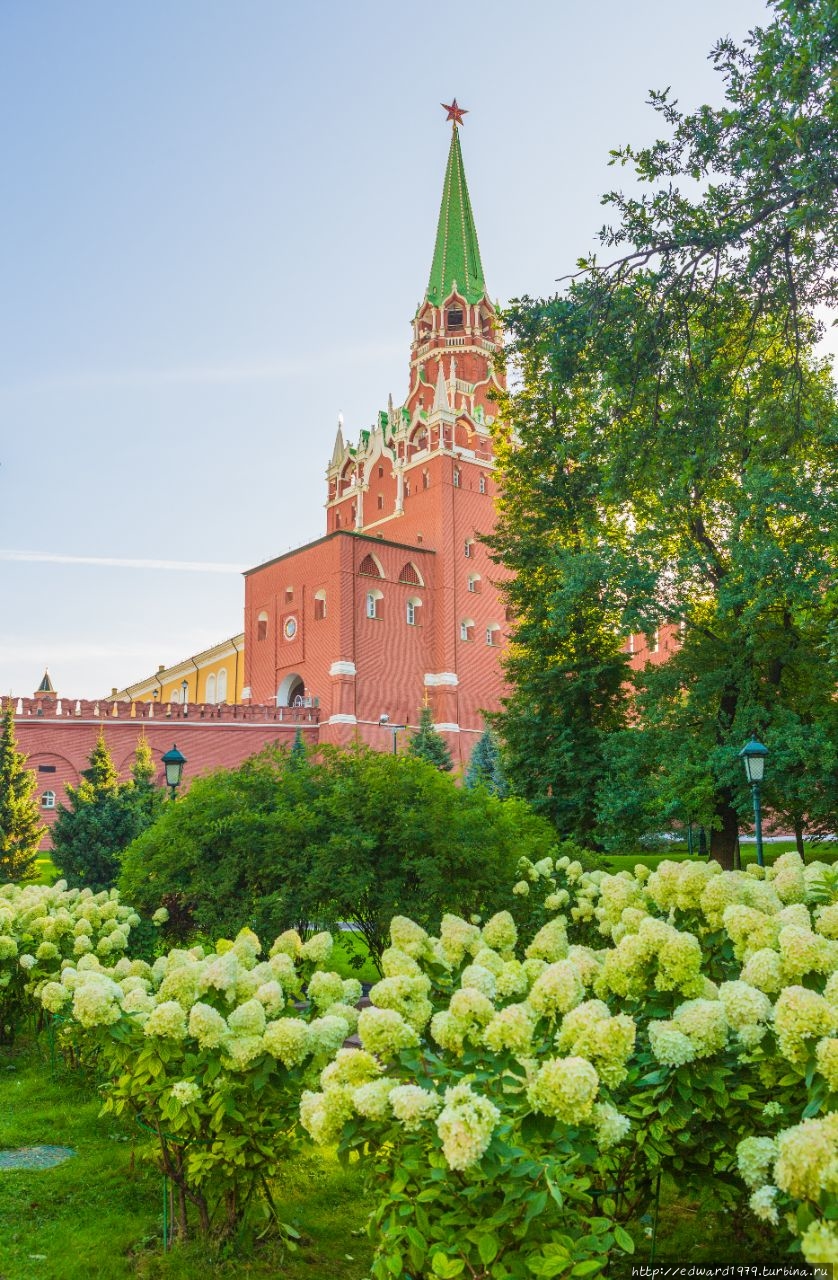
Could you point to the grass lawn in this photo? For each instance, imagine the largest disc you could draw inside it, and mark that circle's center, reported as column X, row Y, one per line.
column 349, row 945
column 98, row 1216
column 46, row 871
column 678, row 853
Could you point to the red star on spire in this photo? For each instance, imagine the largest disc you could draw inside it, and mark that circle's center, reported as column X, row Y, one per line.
column 455, row 113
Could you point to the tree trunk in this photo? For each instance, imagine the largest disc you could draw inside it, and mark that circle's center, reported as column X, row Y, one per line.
column 798, row 836
column 724, row 842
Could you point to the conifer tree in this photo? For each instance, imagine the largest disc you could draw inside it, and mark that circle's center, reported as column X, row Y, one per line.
column 104, row 816
column 485, row 768
column 100, row 776
column 20, row 828
column 298, row 756
column 143, row 770
column 427, row 744
column 142, row 793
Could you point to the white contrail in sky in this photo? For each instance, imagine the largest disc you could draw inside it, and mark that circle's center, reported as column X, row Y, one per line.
column 115, row 562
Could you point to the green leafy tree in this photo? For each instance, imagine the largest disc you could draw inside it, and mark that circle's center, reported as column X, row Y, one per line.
column 356, row 837
column 678, row 455
column 20, row 827
column 428, row 744
column 485, row 767
column 718, row 518
column 104, row 816
column 566, row 661
column 766, row 210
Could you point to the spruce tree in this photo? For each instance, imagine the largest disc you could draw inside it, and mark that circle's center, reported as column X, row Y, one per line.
column 427, row 744
column 100, row 777
column 485, row 768
column 142, row 793
column 143, row 770
column 298, row 756
column 104, row 816
column 20, row 828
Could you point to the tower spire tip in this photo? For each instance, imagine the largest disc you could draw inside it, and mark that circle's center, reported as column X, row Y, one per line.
column 455, row 112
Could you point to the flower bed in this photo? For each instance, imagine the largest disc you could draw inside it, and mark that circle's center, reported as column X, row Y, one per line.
column 521, row 1084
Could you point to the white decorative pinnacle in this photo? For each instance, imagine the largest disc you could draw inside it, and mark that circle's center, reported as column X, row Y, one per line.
column 340, row 448
column 441, row 403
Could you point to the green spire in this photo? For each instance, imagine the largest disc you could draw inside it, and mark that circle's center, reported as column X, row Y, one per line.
column 456, row 253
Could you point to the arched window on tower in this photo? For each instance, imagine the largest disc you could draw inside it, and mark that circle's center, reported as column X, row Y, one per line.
column 48, row 800
column 370, row 567
column 209, row 691
column 262, row 626
column 454, row 318
column 319, row 605
column 222, row 685
column 412, row 609
column 375, row 604
column 467, row 630
column 493, row 634
column 481, row 484
column 409, row 573
column 457, row 477
column 474, row 583
column 426, row 480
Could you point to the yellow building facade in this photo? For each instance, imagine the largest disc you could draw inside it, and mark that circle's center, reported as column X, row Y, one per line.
column 212, row 677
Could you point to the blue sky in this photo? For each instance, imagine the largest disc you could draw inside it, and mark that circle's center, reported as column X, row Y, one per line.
column 218, row 221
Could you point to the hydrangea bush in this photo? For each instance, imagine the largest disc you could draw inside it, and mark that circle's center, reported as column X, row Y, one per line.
column 41, row 928
column 208, row 1049
column 517, row 1094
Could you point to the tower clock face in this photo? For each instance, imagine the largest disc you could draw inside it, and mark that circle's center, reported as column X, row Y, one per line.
column 290, row 628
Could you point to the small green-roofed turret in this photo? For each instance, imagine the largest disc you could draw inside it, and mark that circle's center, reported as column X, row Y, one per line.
column 46, row 685
column 456, row 261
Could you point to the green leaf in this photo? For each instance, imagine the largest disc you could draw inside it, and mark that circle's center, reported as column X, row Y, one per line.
column 487, row 1247
column 623, row 1239
column 547, row 1267
column 446, row 1268
column 589, row 1267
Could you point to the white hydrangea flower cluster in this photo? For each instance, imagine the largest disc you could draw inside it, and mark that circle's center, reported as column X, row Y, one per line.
column 226, row 1002
column 43, row 926
column 657, row 956
column 801, row 1015
column 802, row 1163
column 565, row 1088
column 820, row 1242
column 697, row 1029
column 605, row 1040
column 610, row 1125
column 466, row 1124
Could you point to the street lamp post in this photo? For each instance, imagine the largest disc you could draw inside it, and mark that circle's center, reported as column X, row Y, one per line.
column 173, row 762
column 753, row 756
column 384, row 721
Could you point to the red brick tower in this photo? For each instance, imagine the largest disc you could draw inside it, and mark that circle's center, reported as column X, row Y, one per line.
column 398, row 601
